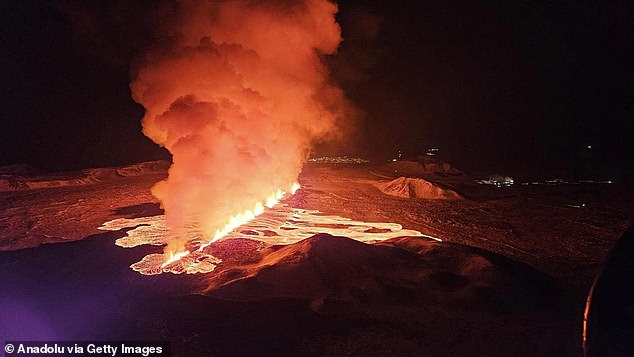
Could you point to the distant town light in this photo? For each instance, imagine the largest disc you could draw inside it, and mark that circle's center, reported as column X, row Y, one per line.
column 497, row 181
column 338, row 160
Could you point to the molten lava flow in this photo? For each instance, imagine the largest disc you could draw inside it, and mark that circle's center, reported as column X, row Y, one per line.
column 238, row 92
column 175, row 256
column 280, row 225
column 234, row 222
column 248, row 215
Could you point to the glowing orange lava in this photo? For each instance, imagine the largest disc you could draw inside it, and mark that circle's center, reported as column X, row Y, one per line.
column 235, row 222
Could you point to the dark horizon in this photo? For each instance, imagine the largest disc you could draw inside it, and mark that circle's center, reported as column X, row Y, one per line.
column 537, row 86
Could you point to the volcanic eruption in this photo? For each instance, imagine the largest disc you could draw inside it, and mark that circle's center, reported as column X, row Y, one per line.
column 238, row 92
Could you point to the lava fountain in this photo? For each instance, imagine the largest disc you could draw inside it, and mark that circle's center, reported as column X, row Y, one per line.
column 238, row 93
column 234, row 222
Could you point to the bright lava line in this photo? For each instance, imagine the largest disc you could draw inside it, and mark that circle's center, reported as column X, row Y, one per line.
column 237, row 221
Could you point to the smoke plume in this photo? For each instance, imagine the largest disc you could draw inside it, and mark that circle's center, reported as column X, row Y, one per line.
column 237, row 91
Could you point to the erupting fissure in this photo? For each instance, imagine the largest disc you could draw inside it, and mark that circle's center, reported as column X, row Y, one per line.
column 235, row 222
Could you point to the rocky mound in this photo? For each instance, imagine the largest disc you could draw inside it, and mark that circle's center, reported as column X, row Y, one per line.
column 19, row 170
column 140, row 169
column 408, row 187
column 408, row 269
column 143, row 168
column 23, row 177
column 421, row 167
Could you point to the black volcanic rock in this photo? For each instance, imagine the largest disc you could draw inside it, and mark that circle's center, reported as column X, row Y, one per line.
column 321, row 266
column 238, row 251
column 407, row 270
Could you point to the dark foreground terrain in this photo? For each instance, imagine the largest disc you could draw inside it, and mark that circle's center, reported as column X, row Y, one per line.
column 509, row 278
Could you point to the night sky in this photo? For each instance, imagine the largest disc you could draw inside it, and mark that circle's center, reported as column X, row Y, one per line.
column 491, row 83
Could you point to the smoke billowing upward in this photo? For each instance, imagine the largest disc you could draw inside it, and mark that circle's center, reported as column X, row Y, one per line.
column 238, row 93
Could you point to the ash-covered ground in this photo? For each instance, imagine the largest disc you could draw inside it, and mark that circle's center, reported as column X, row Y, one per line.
column 509, row 277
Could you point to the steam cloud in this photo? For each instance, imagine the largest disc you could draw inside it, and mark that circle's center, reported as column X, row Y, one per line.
column 237, row 92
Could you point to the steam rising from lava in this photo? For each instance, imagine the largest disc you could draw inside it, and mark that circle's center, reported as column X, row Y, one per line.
column 237, row 92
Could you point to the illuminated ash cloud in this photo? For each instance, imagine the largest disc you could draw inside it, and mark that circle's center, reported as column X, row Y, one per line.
column 237, row 91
